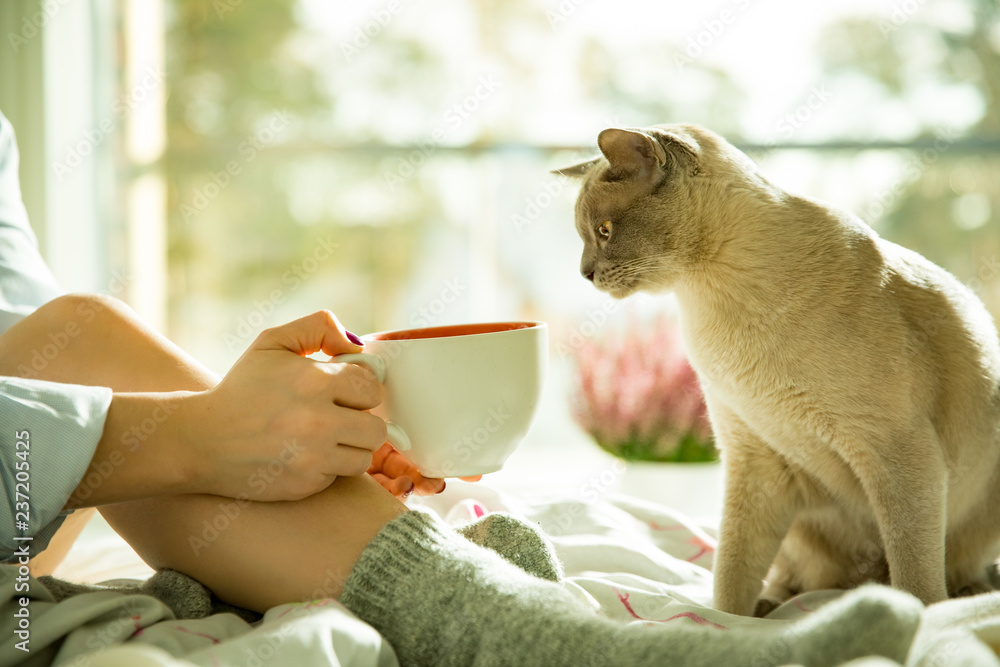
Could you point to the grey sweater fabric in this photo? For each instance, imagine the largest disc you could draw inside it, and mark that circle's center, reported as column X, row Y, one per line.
column 442, row 600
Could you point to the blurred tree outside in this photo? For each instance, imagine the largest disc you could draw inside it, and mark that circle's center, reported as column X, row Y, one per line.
column 947, row 203
column 331, row 174
column 369, row 160
column 251, row 222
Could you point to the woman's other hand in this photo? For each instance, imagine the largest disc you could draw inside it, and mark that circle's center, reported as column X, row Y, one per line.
column 401, row 478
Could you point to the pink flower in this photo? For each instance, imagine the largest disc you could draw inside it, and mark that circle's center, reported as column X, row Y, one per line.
column 638, row 397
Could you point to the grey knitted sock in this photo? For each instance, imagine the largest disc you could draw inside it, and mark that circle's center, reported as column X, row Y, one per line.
column 519, row 542
column 186, row 597
column 441, row 600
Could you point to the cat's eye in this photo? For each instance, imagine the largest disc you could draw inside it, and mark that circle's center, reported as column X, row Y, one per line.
column 605, row 229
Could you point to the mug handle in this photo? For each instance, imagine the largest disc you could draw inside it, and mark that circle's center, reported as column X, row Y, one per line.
column 376, row 364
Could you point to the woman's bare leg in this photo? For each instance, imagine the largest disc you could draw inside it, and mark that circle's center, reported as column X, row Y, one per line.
column 60, row 544
column 99, row 341
column 257, row 555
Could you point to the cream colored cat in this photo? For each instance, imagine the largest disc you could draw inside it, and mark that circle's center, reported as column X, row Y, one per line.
column 853, row 386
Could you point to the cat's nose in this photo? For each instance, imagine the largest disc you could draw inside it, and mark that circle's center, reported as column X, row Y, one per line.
column 589, row 275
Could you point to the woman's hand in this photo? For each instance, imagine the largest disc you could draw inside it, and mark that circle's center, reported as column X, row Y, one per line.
column 401, row 478
column 281, row 426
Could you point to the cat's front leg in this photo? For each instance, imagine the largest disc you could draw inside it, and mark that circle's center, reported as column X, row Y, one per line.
column 760, row 503
column 906, row 481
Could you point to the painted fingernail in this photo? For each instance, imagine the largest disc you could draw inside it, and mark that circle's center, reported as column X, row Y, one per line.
column 408, row 493
column 353, row 338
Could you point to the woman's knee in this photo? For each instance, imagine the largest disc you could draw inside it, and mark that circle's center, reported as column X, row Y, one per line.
column 78, row 310
column 47, row 341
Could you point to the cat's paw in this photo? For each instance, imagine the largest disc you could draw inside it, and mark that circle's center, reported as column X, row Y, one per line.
column 975, row 588
column 764, row 607
column 993, row 574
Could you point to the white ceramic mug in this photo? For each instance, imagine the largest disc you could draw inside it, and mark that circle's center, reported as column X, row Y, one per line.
column 458, row 399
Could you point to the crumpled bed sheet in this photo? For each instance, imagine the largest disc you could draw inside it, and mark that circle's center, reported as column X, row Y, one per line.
column 629, row 559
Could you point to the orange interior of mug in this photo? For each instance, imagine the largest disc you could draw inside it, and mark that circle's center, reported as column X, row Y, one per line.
column 452, row 330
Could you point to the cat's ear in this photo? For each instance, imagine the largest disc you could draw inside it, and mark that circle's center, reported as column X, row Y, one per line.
column 577, row 170
column 630, row 148
column 645, row 154
column 681, row 148
column 631, row 153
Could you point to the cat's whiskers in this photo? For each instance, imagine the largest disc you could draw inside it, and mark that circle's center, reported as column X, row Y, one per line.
column 640, row 266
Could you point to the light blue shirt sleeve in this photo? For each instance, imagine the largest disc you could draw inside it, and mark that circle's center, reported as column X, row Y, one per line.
column 60, row 424
column 48, row 434
column 25, row 280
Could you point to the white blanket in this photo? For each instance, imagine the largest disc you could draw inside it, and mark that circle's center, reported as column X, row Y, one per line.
column 630, row 559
